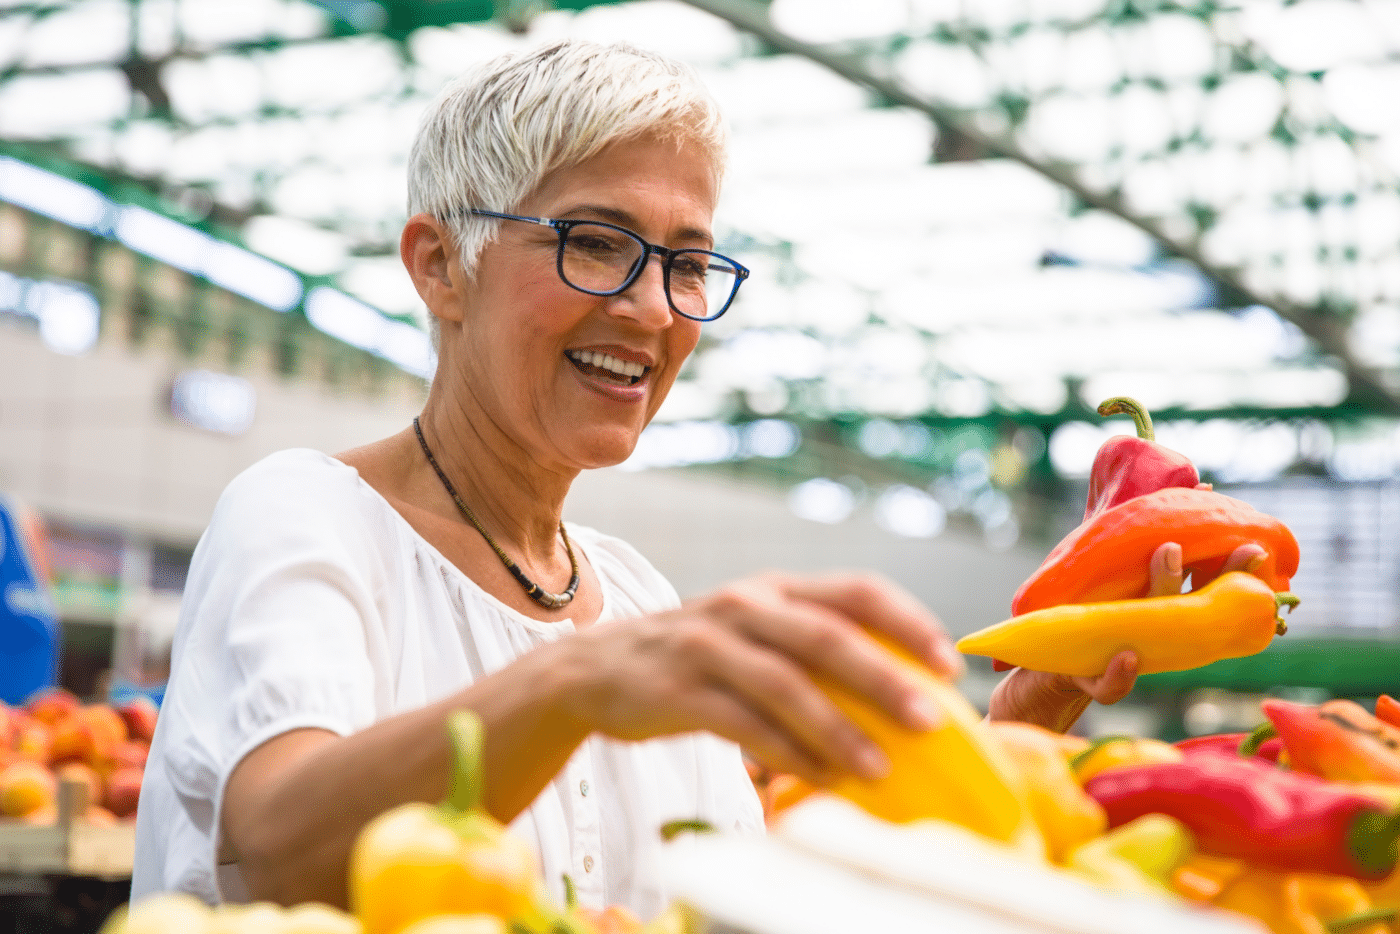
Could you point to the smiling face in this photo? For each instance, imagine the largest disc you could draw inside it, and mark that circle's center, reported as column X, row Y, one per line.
column 573, row 378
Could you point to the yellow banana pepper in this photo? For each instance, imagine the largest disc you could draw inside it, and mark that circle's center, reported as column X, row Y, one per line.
column 419, row 860
column 956, row 772
column 1106, row 753
column 1234, row 615
column 1067, row 816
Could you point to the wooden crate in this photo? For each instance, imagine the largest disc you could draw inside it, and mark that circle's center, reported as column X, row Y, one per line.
column 69, row 846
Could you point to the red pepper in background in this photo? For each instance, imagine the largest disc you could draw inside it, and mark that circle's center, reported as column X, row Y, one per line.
column 1388, row 710
column 1263, row 743
column 1126, row 467
column 1337, row 740
column 1250, row 810
column 1107, row 557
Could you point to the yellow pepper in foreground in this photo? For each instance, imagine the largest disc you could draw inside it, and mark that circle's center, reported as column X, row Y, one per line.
column 956, row 772
column 1233, row 616
column 419, row 860
column 1067, row 816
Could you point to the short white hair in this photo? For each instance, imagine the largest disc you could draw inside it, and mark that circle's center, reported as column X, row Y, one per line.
column 493, row 136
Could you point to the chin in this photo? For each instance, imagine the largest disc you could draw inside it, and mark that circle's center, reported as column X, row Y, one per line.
column 607, row 449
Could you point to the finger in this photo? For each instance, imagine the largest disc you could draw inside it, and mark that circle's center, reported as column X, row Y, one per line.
column 823, row 640
column 1204, row 486
column 766, row 742
column 774, row 687
column 1245, row 558
column 1164, row 571
column 1116, row 682
column 883, row 606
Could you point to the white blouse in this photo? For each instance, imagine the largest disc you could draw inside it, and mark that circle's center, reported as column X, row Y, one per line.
column 312, row 603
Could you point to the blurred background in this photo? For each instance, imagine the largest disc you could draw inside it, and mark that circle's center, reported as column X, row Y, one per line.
column 969, row 223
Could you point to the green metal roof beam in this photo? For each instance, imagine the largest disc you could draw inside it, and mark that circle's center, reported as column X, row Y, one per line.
column 1328, row 330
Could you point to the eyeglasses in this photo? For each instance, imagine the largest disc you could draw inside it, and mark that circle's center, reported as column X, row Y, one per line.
column 604, row 259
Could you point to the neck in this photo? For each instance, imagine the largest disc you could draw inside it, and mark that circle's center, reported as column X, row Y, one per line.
column 516, row 498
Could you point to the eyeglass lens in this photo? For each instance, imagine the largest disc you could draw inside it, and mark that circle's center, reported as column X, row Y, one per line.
column 600, row 259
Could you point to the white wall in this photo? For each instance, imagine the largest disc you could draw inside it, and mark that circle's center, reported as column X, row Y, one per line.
column 89, row 439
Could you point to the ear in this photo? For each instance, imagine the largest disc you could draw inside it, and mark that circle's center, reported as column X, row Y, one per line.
column 431, row 260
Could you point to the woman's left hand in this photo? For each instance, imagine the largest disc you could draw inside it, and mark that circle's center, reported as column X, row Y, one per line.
column 1056, row 701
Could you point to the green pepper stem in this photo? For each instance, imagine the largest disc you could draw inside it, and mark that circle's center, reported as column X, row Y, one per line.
column 1125, row 405
column 467, row 735
column 1282, row 600
column 1079, row 758
column 1371, row 841
column 1368, row 916
column 1249, row 746
column 672, row 829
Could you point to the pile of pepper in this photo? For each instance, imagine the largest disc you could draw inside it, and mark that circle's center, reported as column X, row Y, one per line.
column 1295, row 824
column 1089, row 600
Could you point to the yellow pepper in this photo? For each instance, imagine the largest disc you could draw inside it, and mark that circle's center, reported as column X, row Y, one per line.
column 1140, row 856
column 419, row 860
column 956, row 772
column 1303, row 903
column 1067, row 816
column 1106, row 753
column 1234, row 615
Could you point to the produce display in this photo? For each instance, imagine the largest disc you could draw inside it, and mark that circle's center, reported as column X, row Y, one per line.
column 1294, row 824
column 54, row 737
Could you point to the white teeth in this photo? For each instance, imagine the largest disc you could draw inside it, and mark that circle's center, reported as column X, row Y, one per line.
column 607, row 362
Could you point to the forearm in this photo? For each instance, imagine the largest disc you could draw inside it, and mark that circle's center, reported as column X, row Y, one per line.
column 299, row 809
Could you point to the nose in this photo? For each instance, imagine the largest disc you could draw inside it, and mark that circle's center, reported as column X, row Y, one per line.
column 644, row 301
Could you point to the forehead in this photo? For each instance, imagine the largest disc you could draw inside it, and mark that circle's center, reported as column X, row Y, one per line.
column 655, row 181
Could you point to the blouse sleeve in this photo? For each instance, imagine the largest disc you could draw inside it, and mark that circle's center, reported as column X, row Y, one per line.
column 277, row 632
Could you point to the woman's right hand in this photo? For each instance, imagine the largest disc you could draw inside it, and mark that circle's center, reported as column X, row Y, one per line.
column 739, row 663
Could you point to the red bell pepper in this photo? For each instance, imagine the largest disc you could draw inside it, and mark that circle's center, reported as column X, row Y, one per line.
column 1250, row 810
column 1126, row 467
column 1337, row 740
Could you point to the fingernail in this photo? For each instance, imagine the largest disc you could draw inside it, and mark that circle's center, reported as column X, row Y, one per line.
column 1255, row 563
column 922, row 712
column 1174, row 561
column 873, row 762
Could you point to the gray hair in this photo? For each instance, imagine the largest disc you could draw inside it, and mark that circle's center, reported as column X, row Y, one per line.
column 495, row 134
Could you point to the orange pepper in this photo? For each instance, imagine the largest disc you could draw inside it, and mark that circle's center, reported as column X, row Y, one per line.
column 782, row 792
column 1203, row 877
column 1108, row 556
column 1338, row 740
column 1303, row 903
column 1388, row 710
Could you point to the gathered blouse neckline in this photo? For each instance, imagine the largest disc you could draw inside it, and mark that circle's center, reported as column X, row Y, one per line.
column 548, row 628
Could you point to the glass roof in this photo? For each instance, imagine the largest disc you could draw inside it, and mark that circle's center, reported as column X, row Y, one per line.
column 1002, row 206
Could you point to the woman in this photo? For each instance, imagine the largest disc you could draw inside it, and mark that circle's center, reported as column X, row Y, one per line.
column 338, row 608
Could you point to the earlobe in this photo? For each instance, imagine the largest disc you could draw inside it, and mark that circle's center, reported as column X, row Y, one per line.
column 427, row 254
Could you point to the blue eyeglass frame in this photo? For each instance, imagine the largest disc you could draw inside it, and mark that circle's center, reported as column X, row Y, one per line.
column 562, row 227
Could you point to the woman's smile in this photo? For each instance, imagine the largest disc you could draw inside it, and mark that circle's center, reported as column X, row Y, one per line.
column 608, row 368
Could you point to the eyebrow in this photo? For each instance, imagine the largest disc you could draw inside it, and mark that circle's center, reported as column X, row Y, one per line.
column 625, row 219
